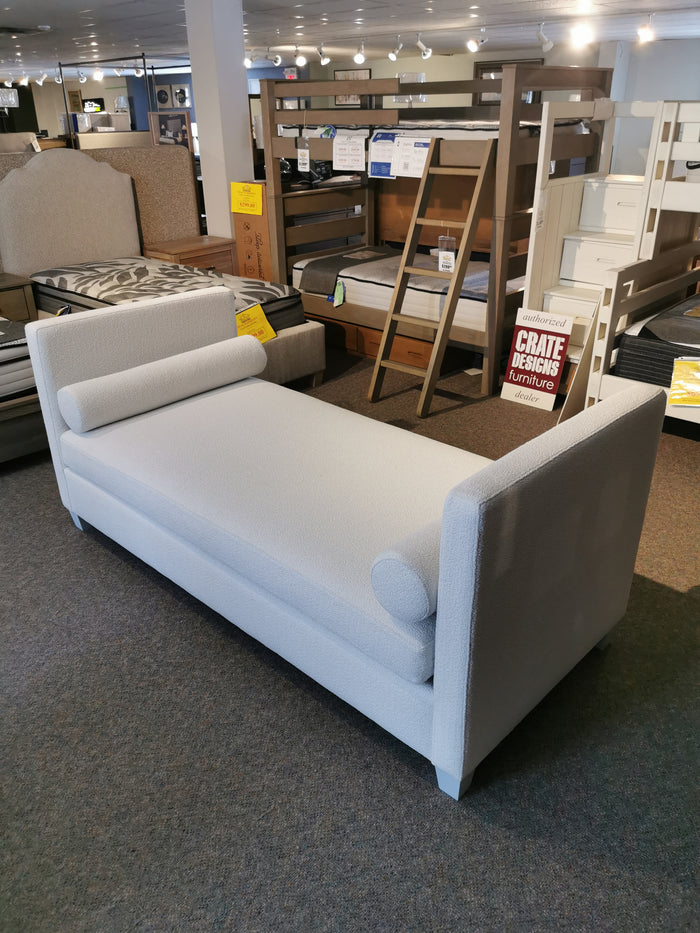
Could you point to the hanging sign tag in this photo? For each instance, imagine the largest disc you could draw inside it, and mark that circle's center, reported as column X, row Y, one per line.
column 303, row 157
column 446, row 253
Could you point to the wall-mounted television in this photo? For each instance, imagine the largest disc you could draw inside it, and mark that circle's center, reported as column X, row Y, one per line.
column 93, row 104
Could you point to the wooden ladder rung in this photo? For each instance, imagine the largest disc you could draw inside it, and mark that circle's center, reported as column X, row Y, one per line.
column 403, row 367
column 413, row 319
column 446, row 170
column 429, row 273
column 432, row 222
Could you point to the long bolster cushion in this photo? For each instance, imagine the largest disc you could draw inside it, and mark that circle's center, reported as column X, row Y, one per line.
column 116, row 396
column 405, row 577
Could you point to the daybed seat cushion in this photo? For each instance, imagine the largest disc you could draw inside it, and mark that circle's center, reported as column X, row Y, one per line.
column 295, row 495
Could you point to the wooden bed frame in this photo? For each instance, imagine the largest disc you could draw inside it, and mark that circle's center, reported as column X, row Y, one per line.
column 382, row 205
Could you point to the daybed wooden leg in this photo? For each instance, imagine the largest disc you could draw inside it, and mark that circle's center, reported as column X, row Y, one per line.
column 452, row 785
column 603, row 643
column 317, row 379
column 77, row 521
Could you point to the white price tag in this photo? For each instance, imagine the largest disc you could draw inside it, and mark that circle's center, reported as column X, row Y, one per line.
column 446, row 261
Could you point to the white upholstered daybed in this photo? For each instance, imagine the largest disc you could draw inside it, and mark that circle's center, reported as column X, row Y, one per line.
column 439, row 593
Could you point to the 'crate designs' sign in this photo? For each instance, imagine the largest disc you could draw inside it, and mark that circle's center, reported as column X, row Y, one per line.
column 537, row 358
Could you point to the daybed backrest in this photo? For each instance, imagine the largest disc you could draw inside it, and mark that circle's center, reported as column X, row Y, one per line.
column 538, row 549
column 63, row 207
column 76, row 347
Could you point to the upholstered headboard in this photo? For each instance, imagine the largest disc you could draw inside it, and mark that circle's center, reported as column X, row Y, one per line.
column 63, row 207
column 164, row 181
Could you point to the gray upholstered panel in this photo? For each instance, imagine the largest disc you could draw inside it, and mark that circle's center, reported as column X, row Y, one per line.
column 64, row 207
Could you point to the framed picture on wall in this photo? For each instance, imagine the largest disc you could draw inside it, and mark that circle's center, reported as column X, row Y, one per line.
column 171, row 129
column 357, row 74
column 75, row 101
column 494, row 71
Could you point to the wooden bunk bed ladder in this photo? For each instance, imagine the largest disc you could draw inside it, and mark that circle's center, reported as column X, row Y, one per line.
column 483, row 194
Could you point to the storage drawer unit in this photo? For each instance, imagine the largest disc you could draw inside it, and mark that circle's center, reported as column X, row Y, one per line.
column 16, row 298
column 588, row 258
column 205, row 252
column 612, row 206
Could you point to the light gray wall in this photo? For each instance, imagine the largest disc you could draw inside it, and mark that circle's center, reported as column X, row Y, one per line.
column 664, row 70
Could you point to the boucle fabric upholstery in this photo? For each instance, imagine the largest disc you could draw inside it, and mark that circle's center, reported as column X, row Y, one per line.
column 93, row 402
column 405, row 578
column 272, row 507
column 273, row 483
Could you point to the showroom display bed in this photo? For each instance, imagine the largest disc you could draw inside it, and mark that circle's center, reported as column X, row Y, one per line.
column 440, row 593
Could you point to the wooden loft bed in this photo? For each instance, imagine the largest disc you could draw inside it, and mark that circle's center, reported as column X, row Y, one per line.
column 324, row 220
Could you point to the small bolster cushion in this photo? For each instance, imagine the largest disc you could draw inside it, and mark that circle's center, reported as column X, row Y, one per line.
column 96, row 402
column 405, row 577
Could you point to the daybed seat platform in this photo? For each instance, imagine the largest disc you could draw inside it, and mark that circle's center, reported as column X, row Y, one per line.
column 397, row 571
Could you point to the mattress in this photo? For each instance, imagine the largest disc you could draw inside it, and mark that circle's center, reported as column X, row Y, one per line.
column 455, row 129
column 16, row 376
column 371, row 284
column 119, row 281
column 648, row 349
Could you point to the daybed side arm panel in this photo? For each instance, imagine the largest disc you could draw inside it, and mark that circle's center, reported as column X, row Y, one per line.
column 94, row 343
column 536, row 564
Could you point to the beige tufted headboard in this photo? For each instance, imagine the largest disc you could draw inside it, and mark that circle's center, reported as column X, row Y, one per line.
column 163, row 179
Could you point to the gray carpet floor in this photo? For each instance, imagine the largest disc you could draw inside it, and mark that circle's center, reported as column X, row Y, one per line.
column 163, row 772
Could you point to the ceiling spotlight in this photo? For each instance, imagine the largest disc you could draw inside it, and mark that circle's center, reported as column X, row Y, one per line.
column 646, row 33
column 248, row 61
column 325, row 59
column 581, row 35
column 118, row 71
column 8, row 82
column 98, row 74
column 138, row 72
column 425, row 52
column 473, row 45
column 41, row 79
column 359, row 56
column 547, row 44
column 23, row 81
column 82, row 78
column 275, row 59
column 299, row 58
column 57, row 77
column 394, row 54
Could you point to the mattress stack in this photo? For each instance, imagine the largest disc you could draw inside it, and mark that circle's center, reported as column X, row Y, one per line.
column 16, row 376
column 133, row 278
column 648, row 349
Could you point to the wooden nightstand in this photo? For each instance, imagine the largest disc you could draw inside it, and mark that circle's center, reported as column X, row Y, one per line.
column 205, row 252
column 16, row 298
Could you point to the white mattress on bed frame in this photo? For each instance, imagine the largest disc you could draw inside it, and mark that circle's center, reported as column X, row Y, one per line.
column 371, row 285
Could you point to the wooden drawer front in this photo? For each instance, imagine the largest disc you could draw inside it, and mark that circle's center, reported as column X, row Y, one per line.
column 220, row 260
column 588, row 260
column 403, row 350
column 610, row 207
column 15, row 305
column 573, row 305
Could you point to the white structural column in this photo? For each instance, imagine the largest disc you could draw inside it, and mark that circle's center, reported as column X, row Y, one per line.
column 220, row 90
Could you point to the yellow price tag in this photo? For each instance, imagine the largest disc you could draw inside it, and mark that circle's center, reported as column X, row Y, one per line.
column 246, row 198
column 253, row 321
